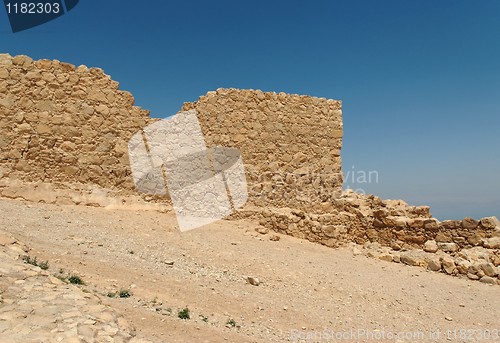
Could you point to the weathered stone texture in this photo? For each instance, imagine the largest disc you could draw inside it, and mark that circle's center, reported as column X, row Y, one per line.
column 290, row 143
column 63, row 124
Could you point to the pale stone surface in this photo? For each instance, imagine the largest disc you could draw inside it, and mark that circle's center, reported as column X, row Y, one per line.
column 492, row 243
column 490, row 222
column 28, row 313
column 431, row 246
column 448, row 247
column 64, row 140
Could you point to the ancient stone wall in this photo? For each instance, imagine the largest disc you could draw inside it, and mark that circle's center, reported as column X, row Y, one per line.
column 62, row 123
column 290, row 143
column 358, row 218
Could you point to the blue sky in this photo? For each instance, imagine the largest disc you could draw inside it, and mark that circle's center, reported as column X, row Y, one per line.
column 419, row 80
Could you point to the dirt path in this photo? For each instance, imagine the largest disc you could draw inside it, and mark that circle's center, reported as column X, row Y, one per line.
column 306, row 290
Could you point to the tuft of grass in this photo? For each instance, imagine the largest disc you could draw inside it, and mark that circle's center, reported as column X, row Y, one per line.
column 44, row 265
column 33, row 261
column 124, row 293
column 231, row 322
column 184, row 314
column 111, row 294
column 76, row 280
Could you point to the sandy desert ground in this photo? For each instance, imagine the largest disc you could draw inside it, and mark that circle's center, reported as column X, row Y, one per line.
column 306, row 292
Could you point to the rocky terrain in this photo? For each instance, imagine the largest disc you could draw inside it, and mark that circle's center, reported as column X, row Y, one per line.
column 237, row 283
column 86, row 258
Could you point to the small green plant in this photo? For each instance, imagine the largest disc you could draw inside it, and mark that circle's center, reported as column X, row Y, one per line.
column 111, row 294
column 184, row 314
column 28, row 260
column 124, row 293
column 44, row 265
column 33, row 261
column 231, row 322
column 204, row 318
column 76, row 280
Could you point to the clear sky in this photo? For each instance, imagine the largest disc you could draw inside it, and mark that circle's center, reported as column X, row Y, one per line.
column 419, row 80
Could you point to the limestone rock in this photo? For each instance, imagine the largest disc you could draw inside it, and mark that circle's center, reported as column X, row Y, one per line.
column 431, row 224
column 448, row 265
column 490, row 222
column 469, row 223
column 431, row 246
column 448, row 247
column 253, row 281
column 413, row 258
column 472, row 276
column 262, row 230
column 386, row 257
column 492, row 243
column 462, row 265
column 488, row 280
column 434, row 264
column 488, row 269
column 274, row 238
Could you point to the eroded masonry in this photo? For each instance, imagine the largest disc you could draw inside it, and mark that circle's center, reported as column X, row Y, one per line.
column 65, row 131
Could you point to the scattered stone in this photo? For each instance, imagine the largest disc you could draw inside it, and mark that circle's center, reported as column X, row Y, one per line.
column 57, row 311
column 472, row 276
column 469, row 224
column 434, row 264
column 413, row 258
column 395, row 246
column 448, row 247
column 262, row 230
column 448, row 265
column 386, row 257
column 431, row 246
column 492, row 243
column 253, row 281
column 462, row 265
column 488, row 269
column 274, row 238
column 488, row 280
column 490, row 222
column 431, row 224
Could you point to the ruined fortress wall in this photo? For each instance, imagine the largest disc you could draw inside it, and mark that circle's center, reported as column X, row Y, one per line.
column 290, row 144
column 62, row 123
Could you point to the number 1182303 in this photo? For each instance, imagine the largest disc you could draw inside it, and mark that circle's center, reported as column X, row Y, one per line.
column 33, row 8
